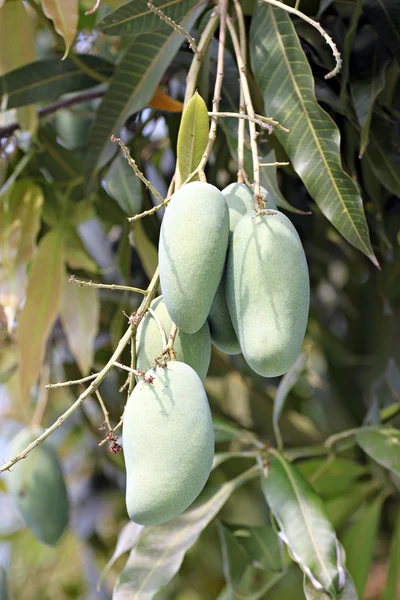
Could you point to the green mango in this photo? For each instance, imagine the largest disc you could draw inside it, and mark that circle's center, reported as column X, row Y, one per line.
column 168, row 444
column 3, row 584
column 192, row 349
column 268, row 291
column 38, row 487
column 240, row 199
column 192, row 251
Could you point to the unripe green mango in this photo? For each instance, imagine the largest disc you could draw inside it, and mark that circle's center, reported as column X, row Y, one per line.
column 192, row 252
column 268, row 291
column 193, row 349
column 168, row 444
column 38, row 487
column 240, row 200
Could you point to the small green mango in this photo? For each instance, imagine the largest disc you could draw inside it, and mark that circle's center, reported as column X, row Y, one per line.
column 268, row 291
column 38, row 487
column 192, row 252
column 168, row 444
column 192, row 349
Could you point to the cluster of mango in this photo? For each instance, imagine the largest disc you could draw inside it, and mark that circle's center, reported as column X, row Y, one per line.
column 230, row 276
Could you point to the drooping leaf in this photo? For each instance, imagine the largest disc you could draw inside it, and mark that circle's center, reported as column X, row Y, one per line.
column 127, row 538
column 304, row 525
column 383, row 154
column 76, row 255
column 312, row 144
column 61, row 164
column 283, row 389
column 42, row 305
column 269, row 179
column 64, row 14
column 261, row 543
column 348, row 46
column 49, row 79
column 80, row 309
column 159, row 553
column 162, row 101
column 19, row 225
column 135, row 17
column 384, row 16
column 381, row 444
column 17, row 42
column 192, row 137
column 146, row 250
column 393, row 576
column 348, row 592
column 124, row 186
column 131, row 88
column 342, row 506
column 333, row 478
column 359, row 542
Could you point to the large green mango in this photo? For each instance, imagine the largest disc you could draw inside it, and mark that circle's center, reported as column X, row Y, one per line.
column 268, row 291
column 168, row 444
column 192, row 349
column 192, row 252
column 240, row 200
column 38, row 486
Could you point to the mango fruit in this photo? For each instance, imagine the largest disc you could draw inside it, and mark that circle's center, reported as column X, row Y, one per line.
column 38, row 487
column 168, row 444
column 240, row 200
column 192, row 349
column 268, row 291
column 192, row 251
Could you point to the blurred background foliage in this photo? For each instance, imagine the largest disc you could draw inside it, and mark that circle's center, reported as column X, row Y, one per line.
column 65, row 196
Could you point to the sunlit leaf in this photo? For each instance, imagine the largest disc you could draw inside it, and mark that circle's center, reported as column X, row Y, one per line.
column 159, row 553
column 17, row 42
column 41, row 308
column 381, row 444
column 283, row 389
column 303, row 525
column 348, row 592
column 127, row 538
column 312, row 144
column 135, row 17
column 80, row 309
column 330, row 479
column 192, row 137
column 20, row 214
column 146, row 250
column 393, row 577
column 64, row 14
column 124, row 186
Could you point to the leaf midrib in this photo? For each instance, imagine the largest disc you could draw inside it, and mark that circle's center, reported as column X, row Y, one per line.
column 138, row 15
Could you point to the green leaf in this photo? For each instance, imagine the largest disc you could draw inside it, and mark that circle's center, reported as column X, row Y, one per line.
column 348, row 592
column 331, row 479
column 58, row 163
column 41, row 308
column 283, row 389
column 49, row 79
column 384, row 16
column 64, row 14
column 135, row 17
column 3, row 584
column 342, row 506
column 192, row 137
column 146, row 250
column 76, row 255
column 304, row 525
column 269, row 179
column 80, row 310
column 127, row 538
column 359, row 542
column 131, row 88
column 312, row 144
column 393, row 577
column 383, row 155
column 123, row 186
column 348, row 46
column 261, row 544
column 159, row 553
column 20, row 212
column 382, row 444
column 17, row 37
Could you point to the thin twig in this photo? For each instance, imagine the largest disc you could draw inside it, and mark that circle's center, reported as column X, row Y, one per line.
column 275, row 164
column 178, row 28
column 152, row 290
column 261, row 122
column 75, row 382
column 327, row 38
column 272, row 122
column 113, row 287
column 93, row 10
column 161, row 330
column 118, row 425
column 134, row 372
column 241, row 124
column 105, row 411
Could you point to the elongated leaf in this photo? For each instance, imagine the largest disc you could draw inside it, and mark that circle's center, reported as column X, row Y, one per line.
column 192, row 137
column 393, row 577
column 58, row 162
column 127, row 538
column 76, row 255
column 348, row 592
column 43, row 297
column 17, row 42
column 381, row 444
column 383, row 155
column 64, row 14
column 19, row 225
column 135, row 17
column 122, row 184
column 146, row 250
column 348, row 46
column 269, row 179
column 359, row 542
column 261, row 543
column 312, row 144
column 342, row 506
column 330, row 479
column 284, row 387
column 384, row 16
column 80, row 308
column 304, row 525
column 49, row 79
column 131, row 88
column 159, row 553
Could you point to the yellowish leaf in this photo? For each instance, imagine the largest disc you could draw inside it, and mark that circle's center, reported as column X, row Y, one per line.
column 41, row 308
column 192, row 137
column 162, row 101
column 145, row 248
column 20, row 212
column 80, row 310
column 64, row 14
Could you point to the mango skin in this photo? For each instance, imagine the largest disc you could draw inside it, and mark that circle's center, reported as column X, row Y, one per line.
column 240, row 200
column 268, row 291
column 192, row 252
column 168, row 444
column 38, row 487
column 192, row 349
